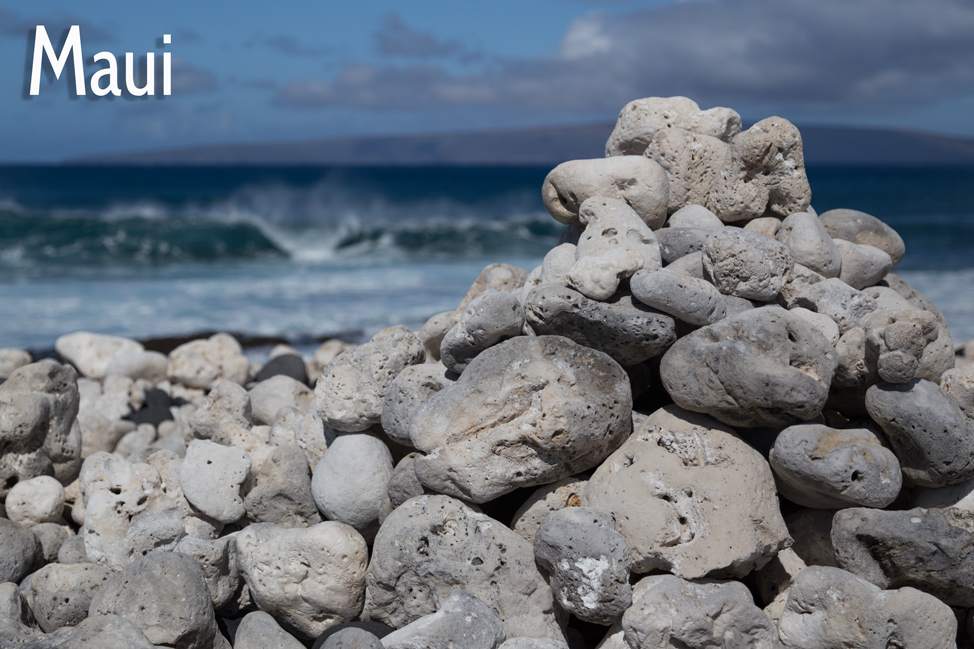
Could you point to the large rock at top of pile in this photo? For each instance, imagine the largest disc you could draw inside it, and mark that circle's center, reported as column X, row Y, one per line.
column 528, row 411
column 640, row 120
column 39, row 434
column 763, row 367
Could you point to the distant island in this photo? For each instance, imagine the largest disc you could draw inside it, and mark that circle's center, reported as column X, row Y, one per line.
column 824, row 145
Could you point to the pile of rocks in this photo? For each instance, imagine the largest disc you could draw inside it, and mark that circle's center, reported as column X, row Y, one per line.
column 710, row 417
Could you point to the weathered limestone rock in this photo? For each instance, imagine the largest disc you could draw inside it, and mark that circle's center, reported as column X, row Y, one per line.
column 828, row 607
column 893, row 346
column 411, row 387
column 201, row 363
column 639, row 181
column 670, row 612
column 959, row 386
column 92, row 353
column 862, row 265
column 811, row 245
column 308, row 579
column 217, row 559
column 821, row 467
column 610, row 224
column 746, row 264
column 433, row 545
column 211, row 477
column 38, row 432
column 836, row 299
column 38, row 500
column 351, row 482
column 497, row 277
column 769, row 226
column 281, row 491
column 764, row 367
column 432, row 332
column 691, row 300
column 11, row 359
column 258, row 630
column 588, row 561
column 491, row 317
column 598, row 277
column 674, row 491
column 351, row 388
column 529, row 411
column 20, row 551
column 622, row 327
column 928, row 432
column 676, row 243
column 279, row 391
column 694, row 216
column 62, row 594
column 404, row 484
column 553, row 497
column 693, row 164
column 820, row 321
column 864, row 229
column 463, row 622
column 641, row 119
column 51, row 536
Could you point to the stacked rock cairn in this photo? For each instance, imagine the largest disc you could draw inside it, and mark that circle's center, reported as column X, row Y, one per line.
column 710, row 418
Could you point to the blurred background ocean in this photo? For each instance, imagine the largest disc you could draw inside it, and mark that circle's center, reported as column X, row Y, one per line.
column 305, row 253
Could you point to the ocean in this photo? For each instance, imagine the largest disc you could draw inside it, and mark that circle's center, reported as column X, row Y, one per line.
column 306, row 253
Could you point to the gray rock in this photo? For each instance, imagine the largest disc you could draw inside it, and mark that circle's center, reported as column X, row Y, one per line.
column 73, row 551
column 598, row 277
column 864, row 229
column 281, row 491
column 691, row 300
column 529, row 411
column 163, row 594
column 431, row 545
column 432, row 332
column 62, row 594
column 928, row 432
column 670, row 612
column 763, row 367
column 693, row 162
column 639, row 181
column 14, row 608
column 533, row 643
column 821, row 467
column 610, row 224
column 775, row 579
column 958, row 496
column 676, row 243
column 404, row 484
column 766, row 225
column 825, row 324
column 836, row 299
column 258, row 630
column 674, row 489
column 148, row 366
column 765, row 173
column 737, row 305
column 349, row 393
column 746, row 264
column 812, row 531
column 862, row 265
column 491, row 317
column 308, row 579
column 217, row 559
column 928, row 549
column 694, row 216
column 959, row 385
column 810, row 244
column 211, row 477
column 37, row 500
column 545, row 500
column 351, row 482
column 798, row 282
column 463, row 622
column 201, row 363
column 20, row 551
column 224, row 416
column 38, row 433
column 622, row 327
column 279, row 391
column 828, row 607
column 352, row 638
column 889, row 345
column 11, row 359
column 588, row 561
column 92, row 353
column 557, row 262
column 641, row 119
column 52, row 536
column 691, row 265
column 411, row 387
column 497, row 277
column 99, row 632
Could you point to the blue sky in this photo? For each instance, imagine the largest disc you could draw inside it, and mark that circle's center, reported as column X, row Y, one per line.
column 250, row 72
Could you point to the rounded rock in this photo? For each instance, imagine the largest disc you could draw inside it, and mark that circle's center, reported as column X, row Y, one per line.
column 691, row 300
column 201, row 363
column 862, row 265
column 810, row 244
column 211, row 476
column 859, row 227
column 746, row 264
column 350, row 484
column 491, row 317
column 20, row 551
column 63, row 594
column 38, row 500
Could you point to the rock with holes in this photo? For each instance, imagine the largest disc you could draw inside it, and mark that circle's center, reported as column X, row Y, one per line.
column 836, row 299
column 640, row 120
column 610, row 224
column 670, row 612
column 38, row 430
column 689, row 299
column 350, row 391
column 678, row 242
column 818, row 466
column 308, row 579
column 639, row 181
column 163, row 594
column 864, row 229
column 598, row 277
column 674, row 489
column 829, row 607
column 959, row 385
column 411, row 387
column 281, row 490
column 811, row 245
column 92, row 353
column 622, row 327
column 557, row 263
column 693, row 162
column 351, row 482
column 928, row 549
column 433, row 545
column 211, row 477
column 201, row 363
column 545, row 500
column 588, row 561
column 529, row 411
column 746, row 264
column 890, row 345
column 34, row 501
column 491, row 317
column 62, row 594
column 930, row 435
column 763, row 367
column 217, row 559
column 463, row 622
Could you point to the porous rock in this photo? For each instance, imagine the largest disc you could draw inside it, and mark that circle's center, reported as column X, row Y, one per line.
column 610, row 224
column 675, row 242
column 598, row 277
column 491, row 317
column 674, row 491
column 281, row 491
column 211, row 477
column 566, row 492
column 63, row 594
column 200, row 363
column 836, row 299
column 20, row 551
column 350, row 391
column 463, row 622
column 691, row 300
column 641, row 119
column 763, row 367
column 693, row 163
column 308, row 579
column 746, row 264
column 431, row 545
column 694, row 216
column 217, row 559
column 411, row 387
column 529, row 411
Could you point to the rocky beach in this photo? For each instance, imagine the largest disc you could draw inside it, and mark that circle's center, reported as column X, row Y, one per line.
column 710, row 416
